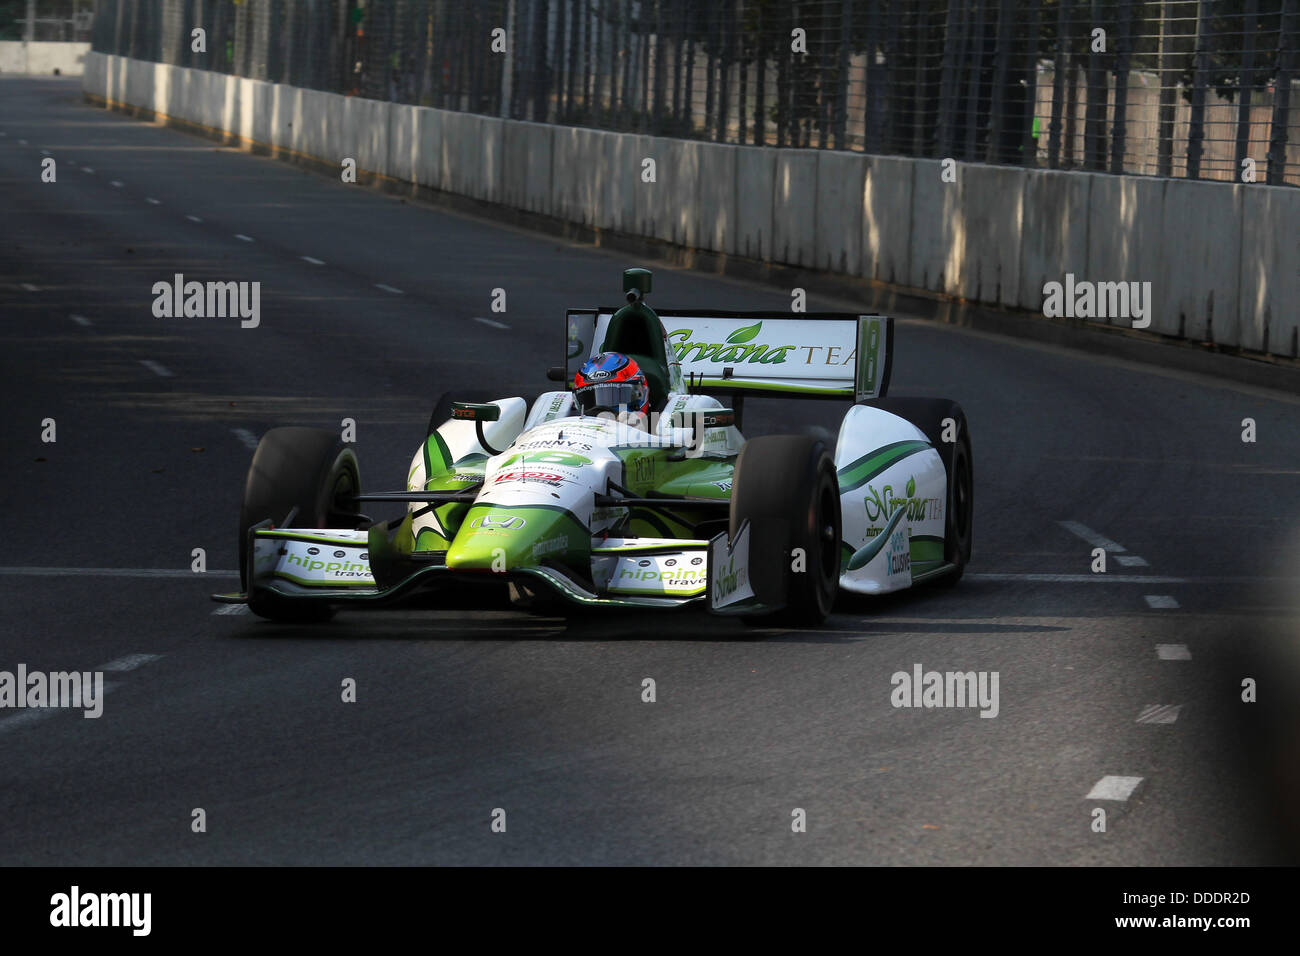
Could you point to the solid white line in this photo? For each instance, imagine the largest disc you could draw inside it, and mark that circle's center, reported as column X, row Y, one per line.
column 1159, row 713
column 129, row 663
column 245, row 436
column 80, row 319
column 116, row 184
column 1119, row 578
column 111, row 573
column 157, row 369
column 28, row 287
column 193, row 218
column 151, row 201
column 1160, row 601
column 1131, row 561
column 492, row 322
column 232, row 609
column 388, row 288
column 1114, row 788
column 1089, row 578
column 243, row 238
column 315, row 262
column 1173, row 652
column 87, row 169
column 1092, row 537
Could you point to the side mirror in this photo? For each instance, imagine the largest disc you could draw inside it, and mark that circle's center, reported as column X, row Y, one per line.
column 556, row 373
column 471, row 412
column 700, row 419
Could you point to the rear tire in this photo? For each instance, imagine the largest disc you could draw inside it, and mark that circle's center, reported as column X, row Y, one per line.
column 785, row 485
column 309, row 470
column 929, row 415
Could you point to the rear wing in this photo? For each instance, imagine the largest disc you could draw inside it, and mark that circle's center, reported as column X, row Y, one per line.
column 815, row 354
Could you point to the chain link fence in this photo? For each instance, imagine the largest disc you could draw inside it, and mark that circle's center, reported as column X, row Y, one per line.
column 51, row 20
column 1188, row 88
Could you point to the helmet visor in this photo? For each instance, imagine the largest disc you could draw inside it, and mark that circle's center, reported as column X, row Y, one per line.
column 611, row 396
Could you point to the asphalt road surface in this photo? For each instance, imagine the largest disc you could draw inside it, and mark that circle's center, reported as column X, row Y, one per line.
column 370, row 308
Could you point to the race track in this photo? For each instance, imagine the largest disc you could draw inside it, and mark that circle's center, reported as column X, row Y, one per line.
column 370, row 308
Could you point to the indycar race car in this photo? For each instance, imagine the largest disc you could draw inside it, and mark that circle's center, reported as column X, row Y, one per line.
column 659, row 504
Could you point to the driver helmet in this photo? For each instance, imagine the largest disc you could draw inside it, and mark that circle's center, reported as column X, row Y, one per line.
column 611, row 381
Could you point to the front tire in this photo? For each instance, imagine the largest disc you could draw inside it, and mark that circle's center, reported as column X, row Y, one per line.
column 786, row 487
column 308, row 473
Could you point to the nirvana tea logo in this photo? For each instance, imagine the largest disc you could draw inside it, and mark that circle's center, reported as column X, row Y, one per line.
column 882, row 504
column 737, row 348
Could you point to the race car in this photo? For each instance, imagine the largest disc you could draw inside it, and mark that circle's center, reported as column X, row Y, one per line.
column 568, row 500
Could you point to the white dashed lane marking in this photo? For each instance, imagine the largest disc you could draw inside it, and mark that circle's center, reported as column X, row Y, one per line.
column 28, row 287
column 151, row 201
column 1159, row 713
column 87, row 169
column 1122, row 557
column 1173, row 652
column 492, row 322
column 80, row 319
column 243, row 238
column 389, row 288
column 1114, row 788
column 116, row 184
column 245, row 436
column 1092, row 537
column 315, row 262
column 193, row 218
column 159, row 370
column 129, row 663
column 1160, row 601
column 232, row 609
column 27, row 717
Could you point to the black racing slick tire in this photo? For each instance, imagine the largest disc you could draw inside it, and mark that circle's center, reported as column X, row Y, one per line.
column 306, row 473
column 785, row 486
column 932, row 416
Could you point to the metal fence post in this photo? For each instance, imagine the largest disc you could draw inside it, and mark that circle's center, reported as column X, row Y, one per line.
column 1029, row 143
column 952, row 40
column 1123, row 59
column 1196, row 124
column 1286, row 64
column 1097, row 93
column 1058, row 84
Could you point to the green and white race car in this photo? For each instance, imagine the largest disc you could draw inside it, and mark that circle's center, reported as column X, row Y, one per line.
column 661, row 511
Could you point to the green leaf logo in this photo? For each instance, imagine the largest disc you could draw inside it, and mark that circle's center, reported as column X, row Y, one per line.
column 745, row 334
column 911, row 487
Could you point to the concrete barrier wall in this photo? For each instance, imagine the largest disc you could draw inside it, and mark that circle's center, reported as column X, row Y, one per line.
column 43, row 57
column 1222, row 259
